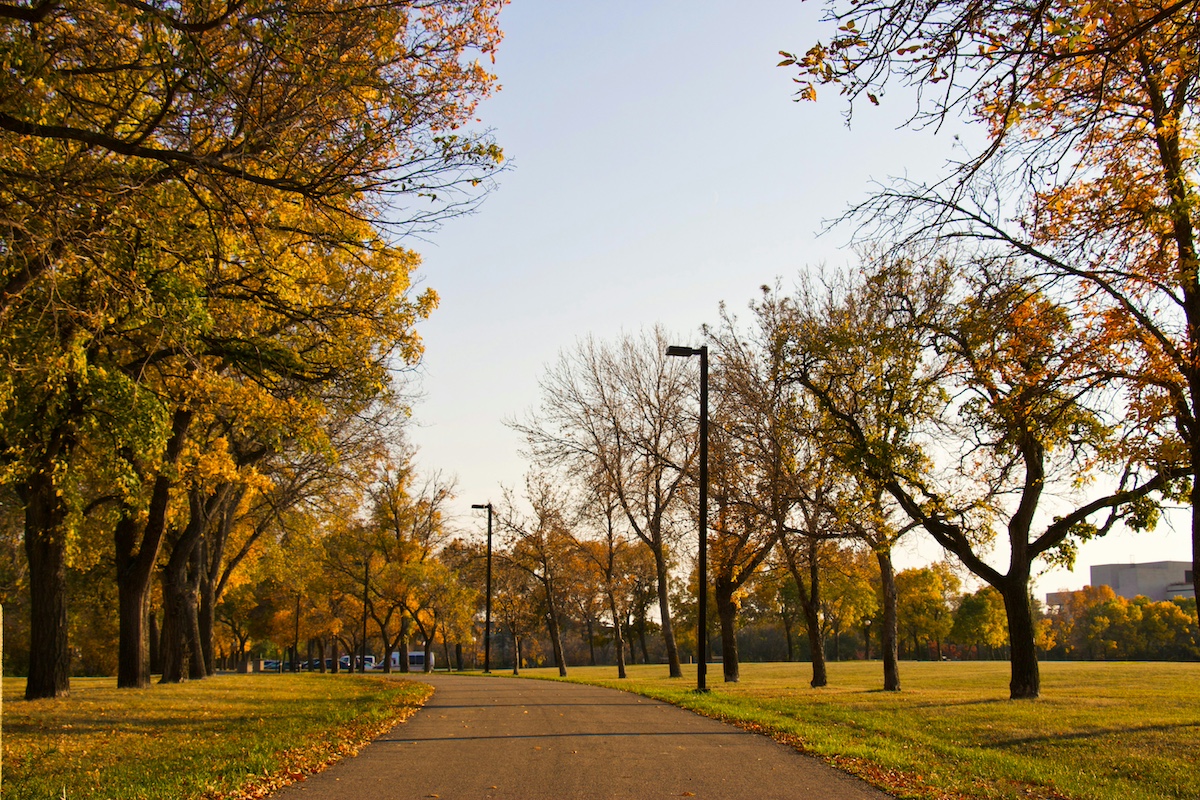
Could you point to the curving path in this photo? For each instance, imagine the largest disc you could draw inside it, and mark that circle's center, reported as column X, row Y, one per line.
column 481, row 737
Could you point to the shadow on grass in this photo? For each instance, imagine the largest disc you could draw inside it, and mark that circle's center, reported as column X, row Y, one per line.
column 1092, row 734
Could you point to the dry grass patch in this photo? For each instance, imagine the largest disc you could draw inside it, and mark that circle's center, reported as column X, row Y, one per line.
column 1101, row 731
column 229, row 736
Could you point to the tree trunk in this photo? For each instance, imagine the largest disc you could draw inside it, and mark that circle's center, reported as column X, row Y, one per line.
column 336, row 666
column 156, row 645
column 198, row 659
column 45, row 548
column 889, row 636
column 555, row 635
column 810, row 602
column 664, row 610
column 642, row 639
column 458, row 656
column 516, row 654
column 137, row 544
column 591, row 633
column 403, row 646
column 620, row 643
column 787, row 635
column 1026, row 681
column 206, row 614
column 179, row 597
column 727, row 611
column 1195, row 451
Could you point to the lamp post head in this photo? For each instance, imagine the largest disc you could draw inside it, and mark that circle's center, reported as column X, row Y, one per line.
column 481, row 505
column 677, row 350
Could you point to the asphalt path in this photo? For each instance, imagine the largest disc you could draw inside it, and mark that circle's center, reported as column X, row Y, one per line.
column 495, row 737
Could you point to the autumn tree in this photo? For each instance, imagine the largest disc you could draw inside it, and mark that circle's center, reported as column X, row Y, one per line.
column 611, row 556
column 543, row 545
column 979, row 621
column 1086, row 168
column 1001, row 377
column 760, row 459
column 623, row 413
column 312, row 127
column 925, row 610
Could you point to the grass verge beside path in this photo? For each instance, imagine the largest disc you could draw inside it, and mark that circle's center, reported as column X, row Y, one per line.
column 1101, row 731
column 230, row 736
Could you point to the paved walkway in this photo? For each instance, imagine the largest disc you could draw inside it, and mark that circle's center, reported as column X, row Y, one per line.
column 509, row 739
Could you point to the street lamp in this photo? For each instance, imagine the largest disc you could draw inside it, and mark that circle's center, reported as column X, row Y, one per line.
column 487, row 605
column 687, row 352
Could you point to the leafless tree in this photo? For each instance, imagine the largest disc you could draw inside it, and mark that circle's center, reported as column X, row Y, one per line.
column 625, row 412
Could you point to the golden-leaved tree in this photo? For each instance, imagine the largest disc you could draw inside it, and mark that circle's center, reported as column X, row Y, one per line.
column 199, row 195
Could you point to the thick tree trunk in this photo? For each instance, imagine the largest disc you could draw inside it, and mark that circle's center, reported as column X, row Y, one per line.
column 727, row 611
column 45, row 549
column 458, row 656
column 131, row 614
column 137, row 543
column 1026, row 681
column 174, row 632
column 179, row 598
column 336, row 666
column 619, row 633
column 889, row 635
column 664, row 611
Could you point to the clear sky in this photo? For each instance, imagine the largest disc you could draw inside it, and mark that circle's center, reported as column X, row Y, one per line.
column 658, row 167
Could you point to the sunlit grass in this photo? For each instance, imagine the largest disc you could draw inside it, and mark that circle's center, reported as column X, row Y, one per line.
column 1101, row 731
column 224, row 737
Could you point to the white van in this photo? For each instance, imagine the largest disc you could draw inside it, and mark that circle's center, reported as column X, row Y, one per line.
column 416, row 661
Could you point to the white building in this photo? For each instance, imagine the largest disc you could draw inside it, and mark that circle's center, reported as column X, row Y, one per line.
column 1157, row 580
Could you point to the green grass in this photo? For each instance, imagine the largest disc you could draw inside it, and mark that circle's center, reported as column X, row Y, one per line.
column 1101, row 731
column 225, row 737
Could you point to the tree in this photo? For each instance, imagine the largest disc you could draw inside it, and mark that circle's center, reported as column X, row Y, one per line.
column 1087, row 170
column 851, row 589
column 543, row 546
column 924, row 608
column 614, row 558
column 867, row 378
column 1005, row 374
column 759, row 461
column 622, row 413
column 979, row 621
column 129, row 206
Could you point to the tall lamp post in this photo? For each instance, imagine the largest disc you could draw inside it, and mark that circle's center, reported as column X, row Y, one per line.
column 687, row 352
column 487, row 603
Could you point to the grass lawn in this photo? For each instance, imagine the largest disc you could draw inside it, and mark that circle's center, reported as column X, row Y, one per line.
column 230, row 736
column 1101, row 731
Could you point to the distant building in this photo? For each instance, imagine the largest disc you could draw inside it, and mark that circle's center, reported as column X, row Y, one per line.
column 1158, row 580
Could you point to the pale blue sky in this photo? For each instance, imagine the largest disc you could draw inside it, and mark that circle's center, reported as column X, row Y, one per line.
column 659, row 166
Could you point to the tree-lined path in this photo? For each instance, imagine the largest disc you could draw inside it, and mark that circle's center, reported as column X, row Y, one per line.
column 522, row 739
